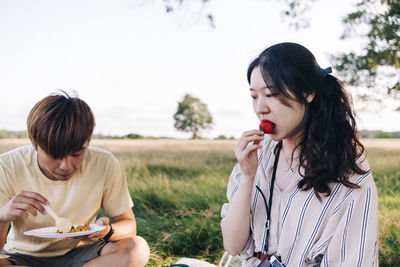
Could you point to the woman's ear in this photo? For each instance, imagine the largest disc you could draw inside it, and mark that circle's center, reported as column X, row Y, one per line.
column 309, row 97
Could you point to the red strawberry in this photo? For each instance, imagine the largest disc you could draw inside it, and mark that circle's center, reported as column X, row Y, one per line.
column 267, row 127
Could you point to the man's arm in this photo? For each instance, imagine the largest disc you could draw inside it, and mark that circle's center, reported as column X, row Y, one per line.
column 124, row 225
column 21, row 205
column 3, row 234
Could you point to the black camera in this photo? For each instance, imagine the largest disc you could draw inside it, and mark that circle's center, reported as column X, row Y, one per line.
column 274, row 261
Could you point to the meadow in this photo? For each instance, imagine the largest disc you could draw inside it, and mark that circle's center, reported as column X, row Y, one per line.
column 178, row 187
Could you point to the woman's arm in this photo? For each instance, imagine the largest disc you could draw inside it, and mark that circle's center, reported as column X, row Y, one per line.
column 236, row 223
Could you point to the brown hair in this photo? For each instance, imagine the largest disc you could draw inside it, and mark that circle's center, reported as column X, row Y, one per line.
column 60, row 124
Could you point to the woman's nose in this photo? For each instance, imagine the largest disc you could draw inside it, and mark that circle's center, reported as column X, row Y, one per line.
column 262, row 105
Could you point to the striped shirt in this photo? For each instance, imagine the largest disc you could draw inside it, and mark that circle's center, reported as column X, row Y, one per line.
column 339, row 230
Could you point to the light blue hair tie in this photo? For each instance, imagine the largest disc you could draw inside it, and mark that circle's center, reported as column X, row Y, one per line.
column 326, row 71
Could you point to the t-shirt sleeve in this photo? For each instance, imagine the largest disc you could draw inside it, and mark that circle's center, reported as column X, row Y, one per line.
column 116, row 198
column 5, row 190
column 355, row 240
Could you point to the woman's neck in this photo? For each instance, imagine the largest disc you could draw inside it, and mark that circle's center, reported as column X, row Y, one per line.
column 288, row 146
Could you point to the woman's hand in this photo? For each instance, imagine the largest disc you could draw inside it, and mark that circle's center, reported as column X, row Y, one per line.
column 21, row 205
column 246, row 152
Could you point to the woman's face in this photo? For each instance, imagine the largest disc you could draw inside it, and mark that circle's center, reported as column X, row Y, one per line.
column 267, row 107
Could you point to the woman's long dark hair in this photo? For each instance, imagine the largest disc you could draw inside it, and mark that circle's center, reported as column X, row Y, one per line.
column 329, row 146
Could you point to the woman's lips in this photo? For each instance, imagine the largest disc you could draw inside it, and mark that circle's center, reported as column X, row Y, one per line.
column 267, row 127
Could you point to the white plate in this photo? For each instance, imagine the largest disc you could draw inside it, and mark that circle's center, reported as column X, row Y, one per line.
column 51, row 232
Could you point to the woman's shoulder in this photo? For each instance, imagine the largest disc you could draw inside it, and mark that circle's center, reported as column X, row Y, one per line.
column 362, row 179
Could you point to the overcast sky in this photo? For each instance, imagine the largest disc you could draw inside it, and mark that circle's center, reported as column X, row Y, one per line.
column 132, row 63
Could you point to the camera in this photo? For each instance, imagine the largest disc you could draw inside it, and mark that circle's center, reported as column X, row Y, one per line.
column 274, row 261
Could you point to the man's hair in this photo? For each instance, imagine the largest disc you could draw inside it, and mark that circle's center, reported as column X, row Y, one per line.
column 60, row 124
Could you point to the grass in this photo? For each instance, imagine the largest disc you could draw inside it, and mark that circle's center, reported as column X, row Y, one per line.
column 178, row 196
column 385, row 165
column 178, row 188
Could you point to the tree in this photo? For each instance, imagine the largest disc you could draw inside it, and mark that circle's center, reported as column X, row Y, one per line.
column 293, row 10
column 377, row 22
column 192, row 116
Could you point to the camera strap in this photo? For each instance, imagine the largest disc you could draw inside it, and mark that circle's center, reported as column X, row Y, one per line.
column 271, row 191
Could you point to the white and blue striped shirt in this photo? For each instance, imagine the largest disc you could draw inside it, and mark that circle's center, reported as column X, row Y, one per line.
column 339, row 230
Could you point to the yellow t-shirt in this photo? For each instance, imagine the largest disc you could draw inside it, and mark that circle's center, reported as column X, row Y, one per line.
column 99, row 183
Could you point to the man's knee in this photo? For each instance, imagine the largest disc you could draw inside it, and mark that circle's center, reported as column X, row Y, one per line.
column 4, row 261
column 136, row 250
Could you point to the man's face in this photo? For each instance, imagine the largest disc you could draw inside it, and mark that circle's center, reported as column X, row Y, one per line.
column 61, row 169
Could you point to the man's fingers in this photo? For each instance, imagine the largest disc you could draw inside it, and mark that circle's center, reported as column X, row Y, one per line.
column 36, row 196
column 19, row 213
column 27, row 207
column 33, row 199
column 29, row 204
column 102, row 221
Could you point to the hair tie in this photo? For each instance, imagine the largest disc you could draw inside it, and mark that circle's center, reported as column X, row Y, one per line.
column 326, row 71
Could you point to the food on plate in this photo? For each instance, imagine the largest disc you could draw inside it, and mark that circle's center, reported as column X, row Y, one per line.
column 267, row 127
column 79, row 228
column 63, row 225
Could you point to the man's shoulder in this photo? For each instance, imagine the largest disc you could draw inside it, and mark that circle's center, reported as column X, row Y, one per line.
column 98, row 154
column 19, row 153
column 99, row 151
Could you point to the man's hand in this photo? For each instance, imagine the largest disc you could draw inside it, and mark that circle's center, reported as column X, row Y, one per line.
column 21, row 205
column 93, row 237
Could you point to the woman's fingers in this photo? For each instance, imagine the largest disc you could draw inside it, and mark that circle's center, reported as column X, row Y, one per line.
column 247, row 137
column 251, row 148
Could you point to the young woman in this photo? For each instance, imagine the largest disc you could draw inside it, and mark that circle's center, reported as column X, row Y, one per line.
column 304, row 193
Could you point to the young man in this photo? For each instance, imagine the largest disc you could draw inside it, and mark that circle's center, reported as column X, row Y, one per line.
column 75, row 180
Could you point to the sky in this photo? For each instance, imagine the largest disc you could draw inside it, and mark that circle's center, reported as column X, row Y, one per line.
column 132, row 62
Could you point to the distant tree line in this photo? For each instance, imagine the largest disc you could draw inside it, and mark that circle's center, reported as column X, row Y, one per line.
column 23, row 134
column 127, row 136
column 378, row 134
column 13, row 134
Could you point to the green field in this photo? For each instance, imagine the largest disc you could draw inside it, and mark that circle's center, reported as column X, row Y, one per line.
column 179, row 186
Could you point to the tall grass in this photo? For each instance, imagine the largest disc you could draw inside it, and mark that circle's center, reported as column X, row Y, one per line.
column 178, row 188
column 385, row 165
column 178, row 197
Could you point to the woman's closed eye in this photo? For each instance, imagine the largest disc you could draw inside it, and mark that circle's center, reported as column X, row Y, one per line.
column 271, row 95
